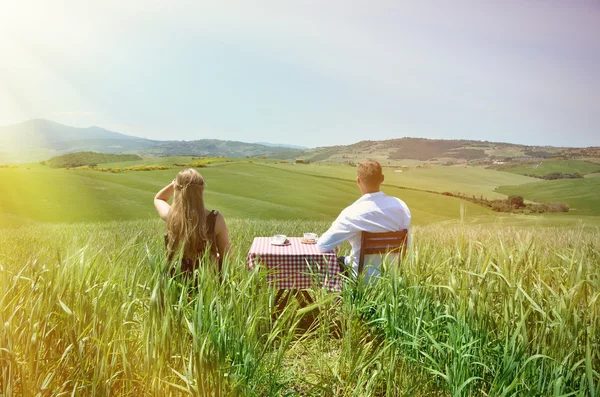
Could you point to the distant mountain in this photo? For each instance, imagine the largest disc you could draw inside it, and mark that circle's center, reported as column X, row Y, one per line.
column 40, row 139
column 282, row 145
column 40, row 132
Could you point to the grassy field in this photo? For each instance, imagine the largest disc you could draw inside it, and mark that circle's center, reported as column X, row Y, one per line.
column 456, row 179
column 580, row 194
column 236, row 189
column 87, row 309
column 562, row 166
column 483, row 304
column 263, row 191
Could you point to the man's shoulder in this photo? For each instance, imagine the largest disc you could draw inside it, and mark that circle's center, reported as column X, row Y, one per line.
column 398, row 201
column 396, row 206
column 392, row 201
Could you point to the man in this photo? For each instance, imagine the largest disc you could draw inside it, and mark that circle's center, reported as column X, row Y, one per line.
column 374, row 212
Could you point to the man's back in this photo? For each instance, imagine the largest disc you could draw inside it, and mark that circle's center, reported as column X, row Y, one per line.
column 372, row 212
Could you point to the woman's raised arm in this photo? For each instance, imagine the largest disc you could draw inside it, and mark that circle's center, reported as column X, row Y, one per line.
column 161, row 200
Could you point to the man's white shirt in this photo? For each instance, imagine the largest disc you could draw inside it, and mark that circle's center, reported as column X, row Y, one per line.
column 372, row 212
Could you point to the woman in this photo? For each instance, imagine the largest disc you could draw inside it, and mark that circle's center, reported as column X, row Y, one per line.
column 191, row 227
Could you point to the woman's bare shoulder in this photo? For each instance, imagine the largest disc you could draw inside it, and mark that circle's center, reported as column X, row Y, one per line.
column 220, row 223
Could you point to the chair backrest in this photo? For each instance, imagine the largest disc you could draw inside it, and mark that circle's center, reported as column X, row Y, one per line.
column 381, row 243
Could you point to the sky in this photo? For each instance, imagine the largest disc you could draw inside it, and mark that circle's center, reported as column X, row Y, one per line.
column 311, row 73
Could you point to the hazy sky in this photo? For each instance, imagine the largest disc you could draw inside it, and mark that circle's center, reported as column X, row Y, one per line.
column 310, row 73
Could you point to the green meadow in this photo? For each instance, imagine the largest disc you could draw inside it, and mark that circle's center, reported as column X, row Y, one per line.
column 542, row 168
column 245, row 190
column 470, row 180
column 88, row 309
column 582, row 195
column 269, row 189
column 483, row 303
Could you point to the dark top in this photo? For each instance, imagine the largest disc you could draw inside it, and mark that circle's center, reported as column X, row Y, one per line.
column 189, row 264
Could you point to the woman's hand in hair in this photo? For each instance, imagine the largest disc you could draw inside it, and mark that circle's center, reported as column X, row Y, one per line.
column 161, row 200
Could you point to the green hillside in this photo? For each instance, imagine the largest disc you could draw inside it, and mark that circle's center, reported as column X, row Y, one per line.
column 582, row 195
column 399, row 151
column 556, row 166
column 239, row 190
column 457, row 179
column 265, row 190
column 78, row 159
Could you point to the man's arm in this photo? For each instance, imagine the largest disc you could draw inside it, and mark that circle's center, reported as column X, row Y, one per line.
column 341, row 230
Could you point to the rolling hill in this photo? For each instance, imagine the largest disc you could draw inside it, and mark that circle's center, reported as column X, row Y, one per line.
column 247, row 190
column 420, row 150
column 580, row 194
column 39, row 139
column 241, row 190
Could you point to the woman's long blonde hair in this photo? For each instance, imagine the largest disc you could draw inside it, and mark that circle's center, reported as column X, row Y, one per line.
column 186, row 223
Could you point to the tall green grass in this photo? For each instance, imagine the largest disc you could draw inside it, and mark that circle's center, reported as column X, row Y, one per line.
column 88, row 309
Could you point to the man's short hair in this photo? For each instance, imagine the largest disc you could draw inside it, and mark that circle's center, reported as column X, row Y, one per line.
column 370, row 173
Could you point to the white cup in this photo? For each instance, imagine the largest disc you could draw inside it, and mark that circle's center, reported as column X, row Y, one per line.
column 310, row 236
column 279, row 239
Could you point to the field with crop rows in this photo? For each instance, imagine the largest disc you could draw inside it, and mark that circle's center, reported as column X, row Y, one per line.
column 88, row 309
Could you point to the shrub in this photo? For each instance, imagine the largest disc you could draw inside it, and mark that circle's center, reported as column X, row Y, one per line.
column 516, row 201
column 556, row 175
column 501, row 206
column 558, row 207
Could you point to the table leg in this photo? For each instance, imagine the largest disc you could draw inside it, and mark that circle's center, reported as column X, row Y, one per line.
column 304, row 299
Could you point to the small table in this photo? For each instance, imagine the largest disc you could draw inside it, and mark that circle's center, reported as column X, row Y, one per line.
column 296, row 266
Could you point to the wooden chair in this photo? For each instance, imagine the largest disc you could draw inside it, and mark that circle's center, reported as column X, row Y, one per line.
column 380, row 244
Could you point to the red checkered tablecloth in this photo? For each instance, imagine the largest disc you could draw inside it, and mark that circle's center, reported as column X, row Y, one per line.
column 295, row 266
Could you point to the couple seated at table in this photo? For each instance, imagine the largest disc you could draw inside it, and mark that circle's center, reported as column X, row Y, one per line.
column 191, row 226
